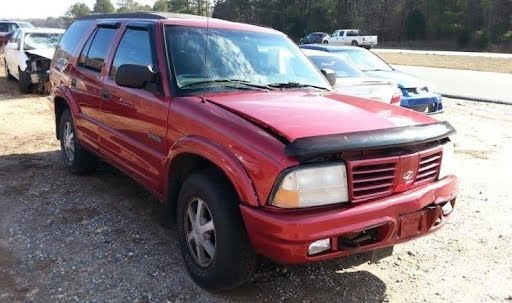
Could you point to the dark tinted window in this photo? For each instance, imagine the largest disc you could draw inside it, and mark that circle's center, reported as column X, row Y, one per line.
column 134, row 48
column 83, row 55
column 98, row 49
column 71, row 38
column 3, row 27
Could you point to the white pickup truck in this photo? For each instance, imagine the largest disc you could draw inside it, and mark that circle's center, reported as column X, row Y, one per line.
column 350, row 37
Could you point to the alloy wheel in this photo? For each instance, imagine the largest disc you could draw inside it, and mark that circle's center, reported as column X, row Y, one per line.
column 200, row 232
column 69, row 142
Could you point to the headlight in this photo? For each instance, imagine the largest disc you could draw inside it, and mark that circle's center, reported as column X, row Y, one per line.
column 313, row 186
column 447, row 160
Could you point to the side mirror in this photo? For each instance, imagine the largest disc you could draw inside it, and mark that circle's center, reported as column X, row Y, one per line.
column 134, row 76
column 330, row 75
column 12, row 45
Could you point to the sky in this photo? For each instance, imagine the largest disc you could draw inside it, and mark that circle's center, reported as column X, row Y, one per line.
column 22, row 9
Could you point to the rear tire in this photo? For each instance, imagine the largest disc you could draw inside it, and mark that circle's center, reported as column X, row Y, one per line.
column 325, row 42
column 76, row 159
column 225, row 258
column 24, row 82
column 368, row 47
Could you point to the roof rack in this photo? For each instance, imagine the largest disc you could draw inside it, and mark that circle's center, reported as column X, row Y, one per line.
column 141, row 15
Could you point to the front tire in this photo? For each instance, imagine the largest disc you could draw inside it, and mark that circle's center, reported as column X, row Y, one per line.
column 24, row 82
column 76, row 159
column 213, row 240
column 325, row 42
column 354, row 43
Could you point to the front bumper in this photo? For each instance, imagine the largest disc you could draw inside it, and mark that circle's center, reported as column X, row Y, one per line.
column 285, row 236
column 427, row 103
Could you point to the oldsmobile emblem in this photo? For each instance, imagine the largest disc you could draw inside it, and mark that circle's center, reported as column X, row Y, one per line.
column 408, row 175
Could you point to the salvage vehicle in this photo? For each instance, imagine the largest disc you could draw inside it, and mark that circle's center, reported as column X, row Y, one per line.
column 351, row 81
column 244, row 140
column 8, row 27
column 28, row 55
column 317, row 37
column 417, row 94
column 351, row 37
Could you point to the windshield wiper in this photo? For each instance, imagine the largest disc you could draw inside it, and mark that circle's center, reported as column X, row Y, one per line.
column 295, row 85
column 231, row 81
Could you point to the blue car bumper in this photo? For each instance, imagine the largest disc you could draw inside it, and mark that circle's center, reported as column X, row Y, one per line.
column 427, row 102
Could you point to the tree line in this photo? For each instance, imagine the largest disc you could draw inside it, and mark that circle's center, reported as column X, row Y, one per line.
column 470, row 23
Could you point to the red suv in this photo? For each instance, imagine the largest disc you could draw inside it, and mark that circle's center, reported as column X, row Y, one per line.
column 244, row 140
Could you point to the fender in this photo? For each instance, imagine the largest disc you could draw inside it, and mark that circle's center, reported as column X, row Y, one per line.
column 221, row 157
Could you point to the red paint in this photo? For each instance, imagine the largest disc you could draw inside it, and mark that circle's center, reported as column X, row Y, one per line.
column 238, row 132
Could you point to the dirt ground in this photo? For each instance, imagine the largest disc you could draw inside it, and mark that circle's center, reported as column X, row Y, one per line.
column 101, row 238
column 497, row 65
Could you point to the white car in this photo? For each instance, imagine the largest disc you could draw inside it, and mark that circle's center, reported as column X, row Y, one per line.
column 351, row 81
column 28, row 55
column 350, row 37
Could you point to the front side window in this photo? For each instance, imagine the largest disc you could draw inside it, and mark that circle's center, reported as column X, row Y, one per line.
column 134, row 48
column 96, row 49
column 41, row 40
column 11, row 27
column 205, row 58
column 3, row 28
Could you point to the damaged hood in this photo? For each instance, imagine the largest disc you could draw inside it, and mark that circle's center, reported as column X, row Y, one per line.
column 42, row 52
column 295, row 114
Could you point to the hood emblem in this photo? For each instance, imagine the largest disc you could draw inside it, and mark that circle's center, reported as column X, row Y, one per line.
column 408, row 175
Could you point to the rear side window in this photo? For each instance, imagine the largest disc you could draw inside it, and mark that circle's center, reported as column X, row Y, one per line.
column 3, row 28
column 71, row 38
column 134, row 48
column 94, row 53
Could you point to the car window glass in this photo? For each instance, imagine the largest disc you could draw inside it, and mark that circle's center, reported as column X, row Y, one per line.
column 342, row 33
column 83, row 55
column 71, row 39
column 11, row 27
column 96, row 53
column 3, row 27
column 134, row 48
column 342, row 68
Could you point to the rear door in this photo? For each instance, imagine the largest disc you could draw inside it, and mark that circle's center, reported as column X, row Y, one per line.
column 86, row 77
column 135, row 120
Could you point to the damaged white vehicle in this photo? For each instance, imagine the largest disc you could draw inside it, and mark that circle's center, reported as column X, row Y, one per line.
column 28, row 55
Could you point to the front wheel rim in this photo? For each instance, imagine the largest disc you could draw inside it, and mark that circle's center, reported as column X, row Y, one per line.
column 69, row 142
column 200, row 232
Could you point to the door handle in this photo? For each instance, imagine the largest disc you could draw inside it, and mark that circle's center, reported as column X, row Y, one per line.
column 105, row 95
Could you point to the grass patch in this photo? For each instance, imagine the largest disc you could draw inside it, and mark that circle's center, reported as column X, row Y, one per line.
column 498, row 65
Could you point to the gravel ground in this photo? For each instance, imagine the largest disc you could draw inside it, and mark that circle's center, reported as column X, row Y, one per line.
column 101, row 238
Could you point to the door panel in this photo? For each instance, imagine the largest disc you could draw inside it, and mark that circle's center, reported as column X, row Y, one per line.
column 134, row 130
column 134, row 121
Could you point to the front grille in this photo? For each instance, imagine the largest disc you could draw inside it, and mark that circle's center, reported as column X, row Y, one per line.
column 370, row 180
column 429, row 167
column 377, row 178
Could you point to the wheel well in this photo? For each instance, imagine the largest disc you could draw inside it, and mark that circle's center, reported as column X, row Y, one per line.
column 180, row 169
column 60, row 105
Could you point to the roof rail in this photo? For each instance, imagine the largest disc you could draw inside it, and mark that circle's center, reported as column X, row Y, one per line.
column 140, row 15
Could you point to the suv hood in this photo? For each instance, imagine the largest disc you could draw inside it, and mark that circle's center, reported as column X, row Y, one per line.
column 295, row 114
column 403, row 80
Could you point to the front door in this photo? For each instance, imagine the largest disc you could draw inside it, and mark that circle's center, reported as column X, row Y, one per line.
column 135, row 119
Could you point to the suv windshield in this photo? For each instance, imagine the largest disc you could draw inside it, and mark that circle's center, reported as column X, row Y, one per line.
column 234, row 58
column 365, row 60
column 41, row 40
